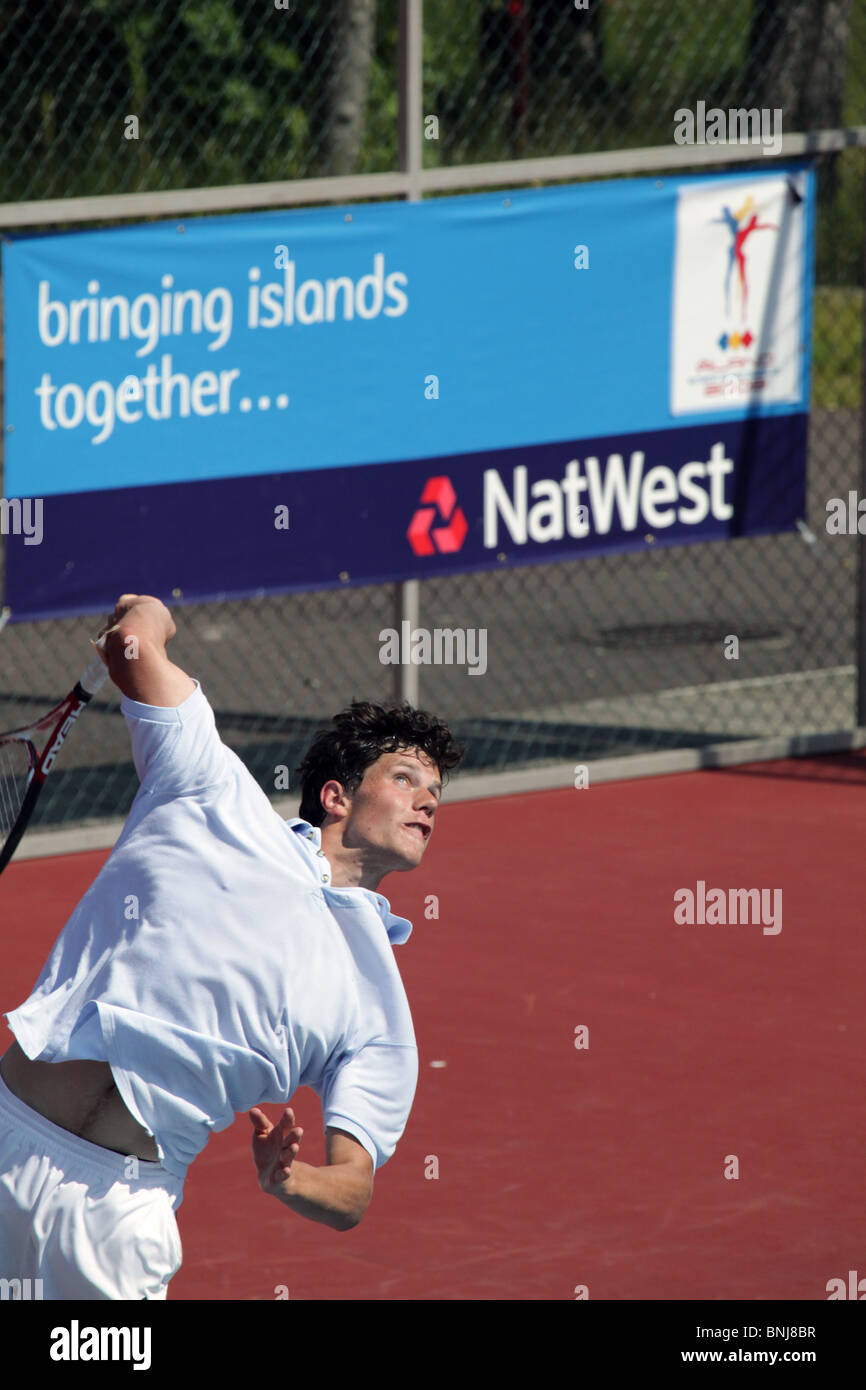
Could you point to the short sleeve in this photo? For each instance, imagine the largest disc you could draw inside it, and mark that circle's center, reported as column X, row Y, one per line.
column 370, row 1096
column 176, row 749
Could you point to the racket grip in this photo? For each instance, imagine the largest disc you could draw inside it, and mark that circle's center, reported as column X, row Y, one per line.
column 95, row 676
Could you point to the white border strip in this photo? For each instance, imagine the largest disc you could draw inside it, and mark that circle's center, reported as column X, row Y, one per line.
column 39, row 844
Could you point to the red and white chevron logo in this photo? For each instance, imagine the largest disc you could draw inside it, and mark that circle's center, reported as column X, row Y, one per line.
column 446, row 539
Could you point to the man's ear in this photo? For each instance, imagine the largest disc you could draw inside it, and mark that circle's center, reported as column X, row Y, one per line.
column 333, row 798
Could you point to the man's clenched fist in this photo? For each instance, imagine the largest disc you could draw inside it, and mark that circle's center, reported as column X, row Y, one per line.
column 153, row 609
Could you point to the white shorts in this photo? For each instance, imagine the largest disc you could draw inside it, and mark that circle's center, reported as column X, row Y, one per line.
column 77, row 1218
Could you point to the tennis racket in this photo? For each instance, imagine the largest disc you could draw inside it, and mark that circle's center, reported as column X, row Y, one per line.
column 23, row 769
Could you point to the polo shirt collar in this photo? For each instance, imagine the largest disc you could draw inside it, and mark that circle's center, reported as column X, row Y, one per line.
column 399, row 929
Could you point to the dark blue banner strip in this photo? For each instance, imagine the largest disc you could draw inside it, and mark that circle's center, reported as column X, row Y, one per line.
column 281, row 533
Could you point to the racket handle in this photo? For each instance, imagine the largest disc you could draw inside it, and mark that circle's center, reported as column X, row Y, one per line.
column 95, row 676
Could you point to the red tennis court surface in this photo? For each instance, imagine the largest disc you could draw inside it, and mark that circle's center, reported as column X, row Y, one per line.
column 603, row 1166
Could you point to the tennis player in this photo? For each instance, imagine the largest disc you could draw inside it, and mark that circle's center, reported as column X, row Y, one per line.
column 221, row 958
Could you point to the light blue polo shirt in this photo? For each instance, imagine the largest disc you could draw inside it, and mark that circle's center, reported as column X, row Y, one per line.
column 213, row 965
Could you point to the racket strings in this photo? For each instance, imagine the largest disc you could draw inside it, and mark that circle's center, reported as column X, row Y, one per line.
column 15, row 773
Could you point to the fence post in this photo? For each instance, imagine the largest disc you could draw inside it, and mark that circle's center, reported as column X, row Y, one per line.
column 861, row 543
column 410, row 88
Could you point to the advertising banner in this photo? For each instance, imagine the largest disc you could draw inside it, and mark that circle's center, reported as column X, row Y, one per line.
column 280, row 401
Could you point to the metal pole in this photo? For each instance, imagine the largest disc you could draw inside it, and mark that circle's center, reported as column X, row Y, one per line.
column 519, row 45
column 861, row 544
column 406, row 611
column 410, row 80
column 352, row 188
column 410, row 92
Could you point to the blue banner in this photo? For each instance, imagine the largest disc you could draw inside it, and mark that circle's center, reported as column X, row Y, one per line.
column 279, row 401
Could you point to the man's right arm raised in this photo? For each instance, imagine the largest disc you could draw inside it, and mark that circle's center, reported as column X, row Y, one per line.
column 133, row 648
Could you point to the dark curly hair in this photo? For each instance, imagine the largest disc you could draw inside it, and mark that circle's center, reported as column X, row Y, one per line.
column 361, row 733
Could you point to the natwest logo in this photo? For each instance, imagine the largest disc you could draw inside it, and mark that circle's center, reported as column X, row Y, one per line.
column 447, row 538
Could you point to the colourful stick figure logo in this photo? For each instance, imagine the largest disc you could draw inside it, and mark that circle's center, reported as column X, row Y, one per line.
column 740, row 230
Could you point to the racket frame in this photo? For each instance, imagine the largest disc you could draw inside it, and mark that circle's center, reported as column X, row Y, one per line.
column 60, row 720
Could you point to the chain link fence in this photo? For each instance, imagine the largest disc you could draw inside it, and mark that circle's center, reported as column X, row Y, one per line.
column 589, row 659
column 122, row 96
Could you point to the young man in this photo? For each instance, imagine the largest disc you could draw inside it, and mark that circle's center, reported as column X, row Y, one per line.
column 221, row 958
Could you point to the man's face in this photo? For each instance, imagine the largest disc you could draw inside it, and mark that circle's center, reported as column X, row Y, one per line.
column 392, row 810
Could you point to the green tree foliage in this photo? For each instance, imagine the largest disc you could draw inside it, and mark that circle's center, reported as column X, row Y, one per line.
column 237, row 91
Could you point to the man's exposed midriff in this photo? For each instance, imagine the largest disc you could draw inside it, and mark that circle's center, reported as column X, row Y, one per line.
column 81, row 1097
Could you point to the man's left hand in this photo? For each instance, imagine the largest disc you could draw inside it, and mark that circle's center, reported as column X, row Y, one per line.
column 275, row 1147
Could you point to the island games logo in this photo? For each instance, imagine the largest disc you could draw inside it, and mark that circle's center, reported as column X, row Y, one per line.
column 740, row 225
column 738, row 295
column 736, row 378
